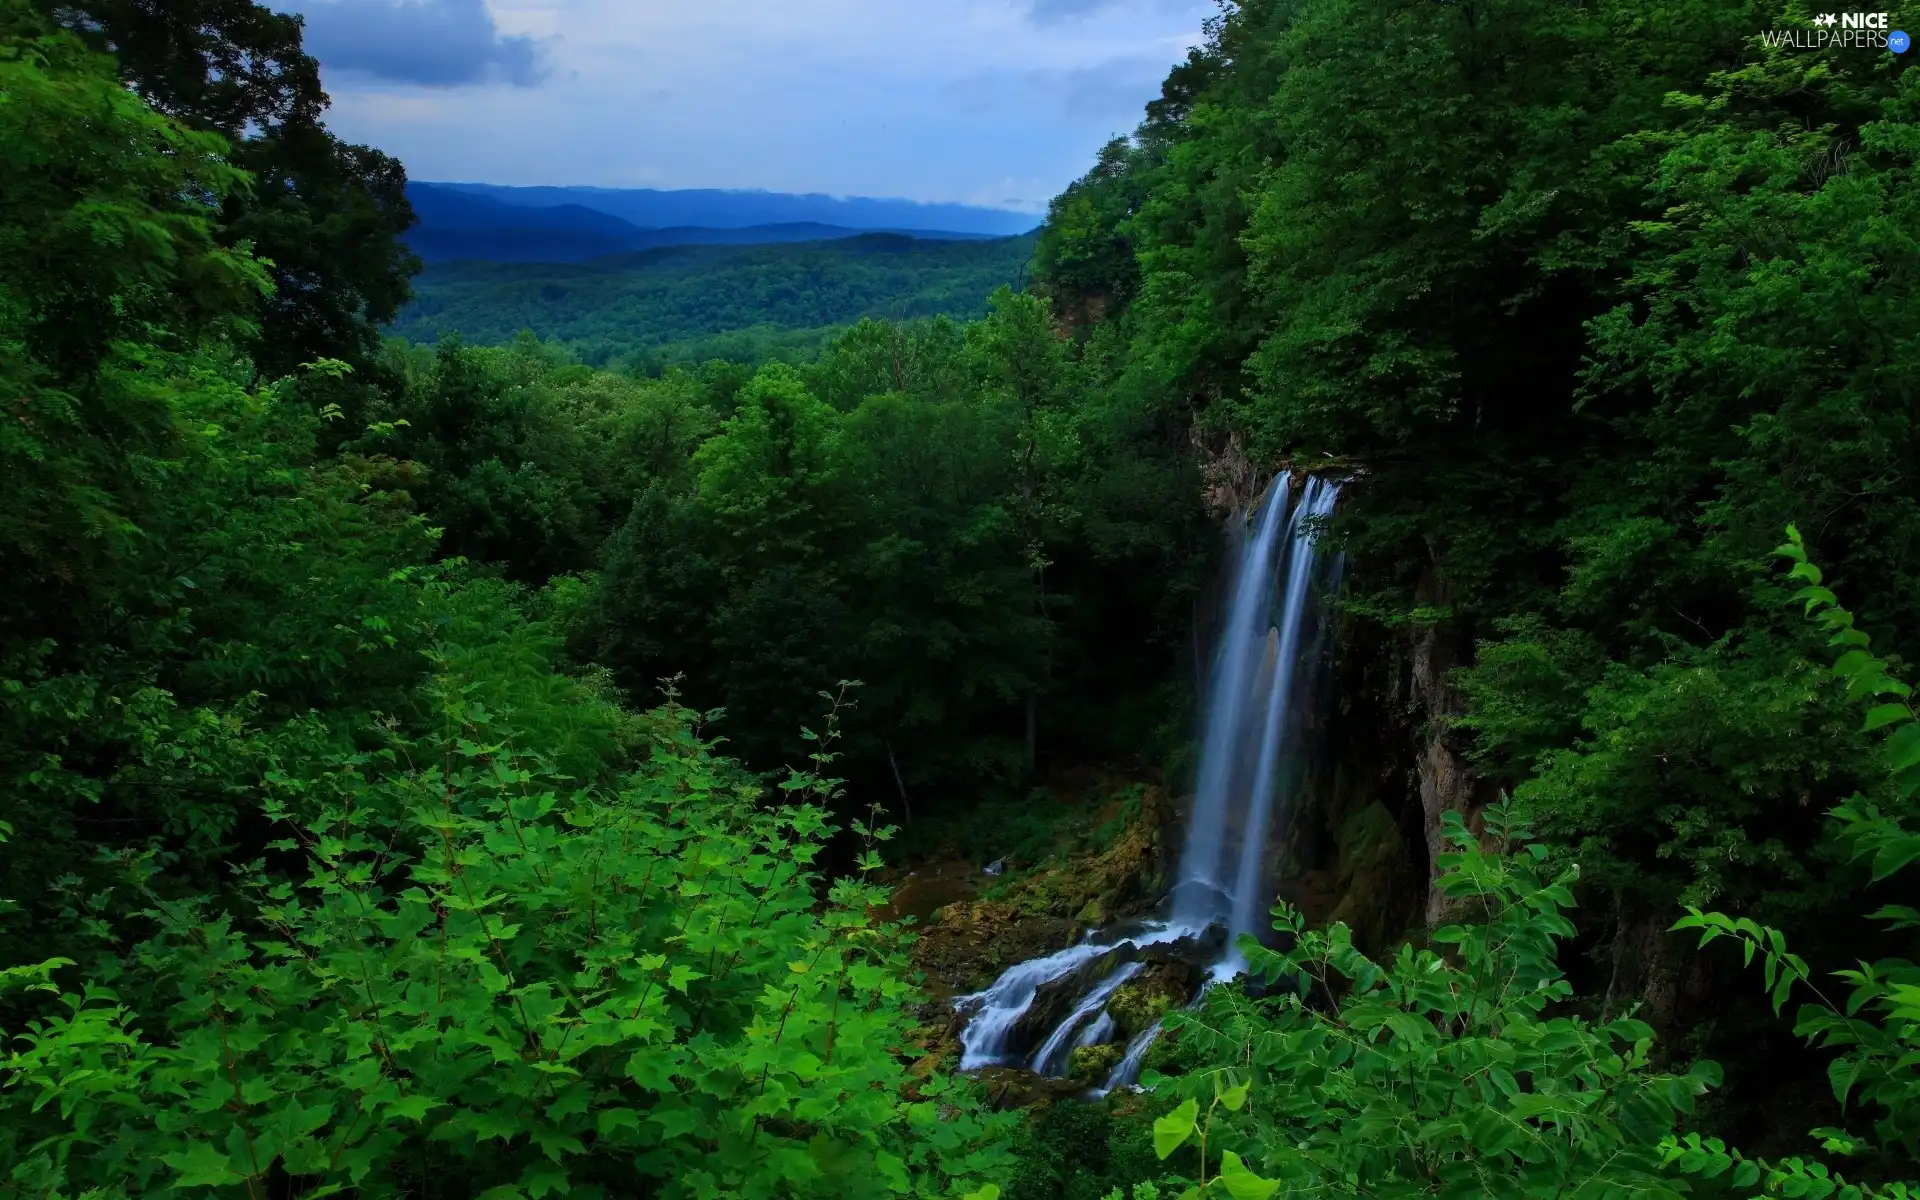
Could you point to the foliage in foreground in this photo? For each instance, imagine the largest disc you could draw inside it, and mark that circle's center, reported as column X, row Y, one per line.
column 1461, row 1074
column 323, row 877
column 1447, row 1071
column 493, row 980
column 1874, row 1029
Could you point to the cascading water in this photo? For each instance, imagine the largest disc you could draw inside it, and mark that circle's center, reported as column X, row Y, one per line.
column 1248, row 710
column 996, row 1013
column 1052, row 1055
column 1247, row 731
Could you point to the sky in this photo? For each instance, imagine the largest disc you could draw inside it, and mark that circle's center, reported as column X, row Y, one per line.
column 993, row 102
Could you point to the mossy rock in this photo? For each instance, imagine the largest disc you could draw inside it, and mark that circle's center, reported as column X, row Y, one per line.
column 1123, row 876
column 1376, row 878
column 1143, row 1000
column 1016, row 1087
column 1093, row 1064
column 1168, row 1056
column 968, row 944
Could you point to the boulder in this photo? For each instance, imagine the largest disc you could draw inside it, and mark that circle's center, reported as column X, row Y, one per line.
column 967, row 945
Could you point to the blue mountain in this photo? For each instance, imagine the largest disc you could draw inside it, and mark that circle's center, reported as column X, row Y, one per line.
column 712, row 208
column 459, row 223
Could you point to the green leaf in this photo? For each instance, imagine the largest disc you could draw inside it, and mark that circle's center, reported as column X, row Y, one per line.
column 1171, row 1131
column 892, row 1169
column 1882, row 715
column 1901, row 916
column 1841, row 1075
column 202, row 1166
column 1241, row 1183
column 1856, row 662
column 1235, row 1097
column 1903, row 748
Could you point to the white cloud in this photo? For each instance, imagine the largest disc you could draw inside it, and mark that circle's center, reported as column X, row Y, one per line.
column 972, row 100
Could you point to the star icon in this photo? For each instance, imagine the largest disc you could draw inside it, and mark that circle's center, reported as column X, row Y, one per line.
column 1824, row 19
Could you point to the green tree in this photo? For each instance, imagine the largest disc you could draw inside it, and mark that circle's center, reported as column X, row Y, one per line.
column 324, row 215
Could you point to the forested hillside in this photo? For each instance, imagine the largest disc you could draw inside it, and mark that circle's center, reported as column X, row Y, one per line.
column 459, row 770
column 1599, row 300
column 688, row 304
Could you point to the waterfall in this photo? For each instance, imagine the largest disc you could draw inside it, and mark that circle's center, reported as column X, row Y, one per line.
column 1248, row 719
column 1249, row 729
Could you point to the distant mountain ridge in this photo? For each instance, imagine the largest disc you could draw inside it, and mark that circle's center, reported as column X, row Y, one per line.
column 714, row 208
column 693, row 302
column 458, row 223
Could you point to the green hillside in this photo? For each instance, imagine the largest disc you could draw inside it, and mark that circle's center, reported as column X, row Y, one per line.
column 692, row 302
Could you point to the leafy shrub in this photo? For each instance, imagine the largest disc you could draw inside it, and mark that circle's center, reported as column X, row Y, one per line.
column 1876, row 1028
column 1441, row 1072
column 494, row 980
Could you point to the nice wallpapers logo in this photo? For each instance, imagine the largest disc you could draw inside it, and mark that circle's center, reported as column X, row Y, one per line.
column 1843, row 31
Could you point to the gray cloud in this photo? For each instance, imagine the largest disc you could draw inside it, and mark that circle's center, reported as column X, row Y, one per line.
column 1054, row 12
column 1119, row 86
column 437, row 43
column 1046, row 12
column 1115, row 90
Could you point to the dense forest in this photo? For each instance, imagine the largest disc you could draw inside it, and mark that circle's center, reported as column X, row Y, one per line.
column 464, row 770
column 687, row 305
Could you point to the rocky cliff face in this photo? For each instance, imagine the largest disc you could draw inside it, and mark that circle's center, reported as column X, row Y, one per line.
column 1369, row 826
column 1387, row 766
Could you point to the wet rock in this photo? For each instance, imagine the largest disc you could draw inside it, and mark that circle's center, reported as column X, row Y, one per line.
column 1053, row 1001
column 1197, row 953
column 967, row 945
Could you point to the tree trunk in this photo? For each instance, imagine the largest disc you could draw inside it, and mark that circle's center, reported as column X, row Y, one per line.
column 905, row 807
column 1033, row 732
